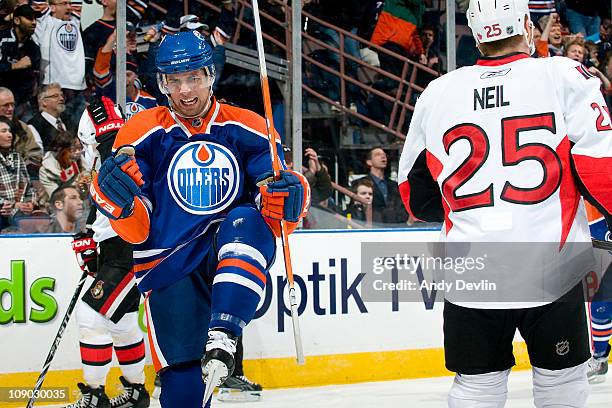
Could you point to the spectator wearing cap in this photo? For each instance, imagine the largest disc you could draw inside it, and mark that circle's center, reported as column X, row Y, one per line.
column 63, row 57
column 20, row 59
column 46, row 124
column 137, row 99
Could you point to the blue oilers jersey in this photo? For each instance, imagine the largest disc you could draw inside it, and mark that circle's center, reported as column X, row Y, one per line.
column 142, row 102
column 194, row 171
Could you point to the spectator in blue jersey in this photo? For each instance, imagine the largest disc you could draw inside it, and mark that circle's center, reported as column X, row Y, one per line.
column 137, row 99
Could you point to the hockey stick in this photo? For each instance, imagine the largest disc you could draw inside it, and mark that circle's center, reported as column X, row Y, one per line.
column 212, row 380
column 276, row 167
column 599, row 244
column 58, row 338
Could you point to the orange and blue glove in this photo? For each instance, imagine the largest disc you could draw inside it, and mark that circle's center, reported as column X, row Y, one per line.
column 115, row 186
column 287, row 198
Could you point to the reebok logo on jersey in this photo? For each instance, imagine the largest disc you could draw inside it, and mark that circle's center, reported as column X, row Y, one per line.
column 203, row 177
column 496, row 73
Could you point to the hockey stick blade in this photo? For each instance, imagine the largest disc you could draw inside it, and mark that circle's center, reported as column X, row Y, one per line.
column 216, row 370
column 599, row 244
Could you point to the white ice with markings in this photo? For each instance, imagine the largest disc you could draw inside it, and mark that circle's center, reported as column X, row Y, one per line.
column 421, row 393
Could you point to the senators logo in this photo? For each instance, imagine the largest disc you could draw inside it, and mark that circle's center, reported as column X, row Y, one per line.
column 97, row 291
column 204, row 177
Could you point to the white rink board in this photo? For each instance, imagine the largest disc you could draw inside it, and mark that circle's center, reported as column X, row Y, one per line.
column 24, row 346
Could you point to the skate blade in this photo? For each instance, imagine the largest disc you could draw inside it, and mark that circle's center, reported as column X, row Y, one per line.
column 598, row 379
column 230, row 395
column 216, row 370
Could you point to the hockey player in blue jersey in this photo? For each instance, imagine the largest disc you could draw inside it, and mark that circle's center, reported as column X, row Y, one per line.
column 198, row 201
column 601, row 304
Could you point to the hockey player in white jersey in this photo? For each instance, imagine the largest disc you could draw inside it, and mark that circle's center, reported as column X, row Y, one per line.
column 501, row 152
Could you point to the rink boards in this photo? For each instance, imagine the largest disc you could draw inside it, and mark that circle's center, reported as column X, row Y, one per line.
column 346, row 339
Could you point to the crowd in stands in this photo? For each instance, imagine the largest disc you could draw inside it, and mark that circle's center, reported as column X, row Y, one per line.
column 50, row 68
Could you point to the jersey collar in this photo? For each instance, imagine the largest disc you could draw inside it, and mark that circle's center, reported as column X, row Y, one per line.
column 501, row 60
column 201, row 124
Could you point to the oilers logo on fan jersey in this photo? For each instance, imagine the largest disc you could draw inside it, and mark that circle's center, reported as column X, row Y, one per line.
column 203, row 177
column 67, row 36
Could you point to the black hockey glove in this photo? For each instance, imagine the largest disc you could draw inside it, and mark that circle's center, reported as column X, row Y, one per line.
column 85, row 249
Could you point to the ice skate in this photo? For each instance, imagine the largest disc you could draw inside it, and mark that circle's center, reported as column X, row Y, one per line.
column 239, row 389
column 133, row 396
column 91, row 398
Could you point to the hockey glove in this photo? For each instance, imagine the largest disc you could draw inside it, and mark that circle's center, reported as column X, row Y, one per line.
column 85, row 249
column 115, row 185
column 106, row 117
column 218, row 361
column 287, row 198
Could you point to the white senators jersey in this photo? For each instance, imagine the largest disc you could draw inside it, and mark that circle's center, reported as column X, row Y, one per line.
column 507, row 147
column 62, row 52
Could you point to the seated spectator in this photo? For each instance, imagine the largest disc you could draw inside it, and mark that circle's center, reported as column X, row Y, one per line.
column 541, row 38
column 62, row 164
column 25, row 143
column 16, row 195
column 58, row 35
column 387, row 206
column 575, row 50
column 364, row 188
column 20, row 60
column 67, row 210
column 46, row 124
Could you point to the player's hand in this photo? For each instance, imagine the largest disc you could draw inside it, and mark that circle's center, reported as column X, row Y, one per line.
column 85, row 249
column 287, row 198
column 107, row 118
column 115, row 185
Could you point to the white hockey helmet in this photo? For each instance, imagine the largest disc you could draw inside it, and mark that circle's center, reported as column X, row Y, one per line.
column 493, row 20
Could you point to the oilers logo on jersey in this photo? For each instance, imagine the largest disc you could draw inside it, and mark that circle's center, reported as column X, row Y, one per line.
column 132, row 108
column 203, row 177
column 67, row 36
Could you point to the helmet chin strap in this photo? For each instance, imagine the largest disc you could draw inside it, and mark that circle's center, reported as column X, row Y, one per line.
column 203, row 112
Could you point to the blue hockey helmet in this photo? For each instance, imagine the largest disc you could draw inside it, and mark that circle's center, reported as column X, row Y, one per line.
column 183, row 52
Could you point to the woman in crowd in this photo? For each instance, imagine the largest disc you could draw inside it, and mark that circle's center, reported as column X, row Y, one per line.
column 16, row 195
column 61, row 165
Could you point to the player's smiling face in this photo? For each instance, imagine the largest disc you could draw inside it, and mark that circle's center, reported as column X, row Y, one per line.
column 190, row 92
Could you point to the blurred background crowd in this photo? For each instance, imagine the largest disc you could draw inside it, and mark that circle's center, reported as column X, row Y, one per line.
column 364, row 65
